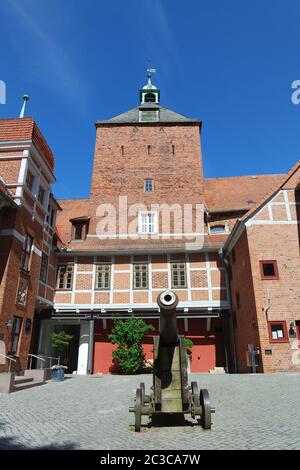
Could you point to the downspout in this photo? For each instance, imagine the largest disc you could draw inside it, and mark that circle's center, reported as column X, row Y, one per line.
column 91, row 345
column 227, row 272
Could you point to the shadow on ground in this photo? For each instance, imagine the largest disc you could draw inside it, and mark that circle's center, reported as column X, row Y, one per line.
column 169, row 421
column 11, row 443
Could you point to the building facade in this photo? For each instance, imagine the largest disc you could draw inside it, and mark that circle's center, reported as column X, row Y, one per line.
column 27, row 218
column 229, row 247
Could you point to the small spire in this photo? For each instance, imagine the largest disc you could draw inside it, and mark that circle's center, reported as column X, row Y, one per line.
column 149, row 73
column 25, row 99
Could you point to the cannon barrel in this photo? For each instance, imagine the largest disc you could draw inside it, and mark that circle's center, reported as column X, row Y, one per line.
column 168, row 333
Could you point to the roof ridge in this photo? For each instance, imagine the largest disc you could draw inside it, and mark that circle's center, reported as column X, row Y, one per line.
column 276, row 187
column 73, row 198
column 132, row 116
column 243, row 176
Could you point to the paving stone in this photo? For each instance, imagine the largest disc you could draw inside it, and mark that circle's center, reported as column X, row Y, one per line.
column 252, row 412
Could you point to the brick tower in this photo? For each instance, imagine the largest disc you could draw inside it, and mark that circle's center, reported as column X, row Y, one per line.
column 141, row 231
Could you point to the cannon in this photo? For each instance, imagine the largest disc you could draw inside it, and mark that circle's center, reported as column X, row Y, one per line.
column 171, row 394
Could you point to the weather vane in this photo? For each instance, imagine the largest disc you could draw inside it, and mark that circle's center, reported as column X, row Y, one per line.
column 150, row 71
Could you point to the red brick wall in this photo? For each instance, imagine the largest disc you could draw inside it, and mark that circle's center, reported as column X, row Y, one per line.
column 268, row 241
column 280, row 243
column 117, row 175
column 10, row 254
column 246, row 330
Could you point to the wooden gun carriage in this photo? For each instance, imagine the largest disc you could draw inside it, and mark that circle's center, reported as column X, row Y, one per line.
column 171, row 393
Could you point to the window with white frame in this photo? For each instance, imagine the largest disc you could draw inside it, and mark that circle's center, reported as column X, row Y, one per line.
column 44, row 268
column 26, row 252
column 148, row 185
column 140, row 276
column 147, row 222
column 103, row 276
column 178, row 275
column 65, row 276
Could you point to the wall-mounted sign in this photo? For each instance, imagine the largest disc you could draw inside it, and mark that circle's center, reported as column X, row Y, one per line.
column 268, row 352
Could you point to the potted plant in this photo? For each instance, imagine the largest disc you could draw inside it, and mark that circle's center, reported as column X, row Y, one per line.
column 58, row 372
column 60, row 342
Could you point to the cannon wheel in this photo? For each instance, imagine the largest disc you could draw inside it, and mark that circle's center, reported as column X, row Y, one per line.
column 142, row 387
column 206, row 409
column 195, row 399
column 138, row 410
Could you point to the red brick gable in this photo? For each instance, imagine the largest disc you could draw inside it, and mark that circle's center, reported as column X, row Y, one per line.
column 234, row 193
column 17, row 129
column 289, row 181
column 71, row 209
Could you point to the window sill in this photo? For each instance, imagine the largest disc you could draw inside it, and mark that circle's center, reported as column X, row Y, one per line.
column 147, row 233
column 21, row 306
column 274, row 341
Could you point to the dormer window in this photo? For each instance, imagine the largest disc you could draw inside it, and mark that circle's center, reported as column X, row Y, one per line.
column 78, row 235
column 80, row 227
column 150, row 98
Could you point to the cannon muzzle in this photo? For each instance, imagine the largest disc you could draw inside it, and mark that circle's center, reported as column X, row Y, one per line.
column 167, row 301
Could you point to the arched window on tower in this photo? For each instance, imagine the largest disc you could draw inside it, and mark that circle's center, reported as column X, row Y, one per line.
column 150, row 98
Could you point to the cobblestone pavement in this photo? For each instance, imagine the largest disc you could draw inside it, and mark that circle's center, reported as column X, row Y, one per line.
column 252, row 412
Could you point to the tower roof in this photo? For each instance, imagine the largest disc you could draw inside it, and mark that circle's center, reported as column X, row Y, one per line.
column 149, row 110
column 132, row 116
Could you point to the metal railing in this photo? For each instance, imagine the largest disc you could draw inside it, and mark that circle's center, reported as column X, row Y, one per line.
column 11, row 359
column 42, row 359
column 37, row 357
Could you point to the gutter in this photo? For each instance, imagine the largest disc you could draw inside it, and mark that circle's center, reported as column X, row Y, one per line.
column 227, row 272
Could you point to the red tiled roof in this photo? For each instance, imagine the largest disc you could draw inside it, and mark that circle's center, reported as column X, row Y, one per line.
column 237, row 192
column 291, row 181
column 293, row 177
column 17, row 129
column 143, row 245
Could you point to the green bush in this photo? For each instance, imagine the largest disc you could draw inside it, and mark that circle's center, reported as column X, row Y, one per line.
column 60, row 342
column 129, row 357
column 188, row 344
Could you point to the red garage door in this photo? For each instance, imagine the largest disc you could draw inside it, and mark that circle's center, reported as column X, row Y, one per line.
column 208, row 346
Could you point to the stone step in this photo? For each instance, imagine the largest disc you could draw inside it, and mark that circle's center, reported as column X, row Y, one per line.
column 20, row 379
column 23, row 386
column 217, row 370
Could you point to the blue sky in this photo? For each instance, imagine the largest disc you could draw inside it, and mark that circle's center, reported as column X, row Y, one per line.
column 230, row 64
